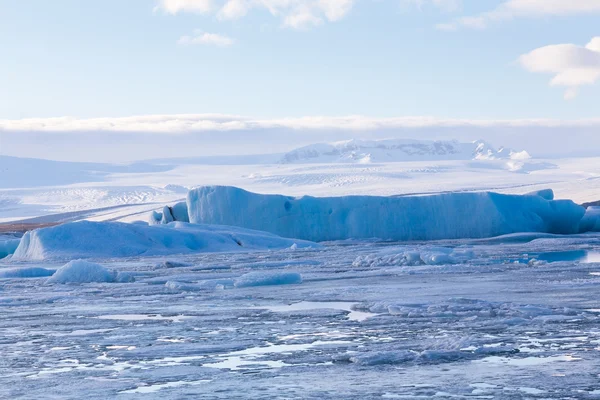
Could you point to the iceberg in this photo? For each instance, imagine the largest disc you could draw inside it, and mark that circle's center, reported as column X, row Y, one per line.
column 8, row 246
column 591, row 220
column 400, row 218
column 86, row 239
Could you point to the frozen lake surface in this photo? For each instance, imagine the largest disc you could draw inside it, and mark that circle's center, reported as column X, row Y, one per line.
column 514, row 317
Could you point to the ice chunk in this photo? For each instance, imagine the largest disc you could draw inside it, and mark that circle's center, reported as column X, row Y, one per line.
column 155, row 218
column 173, row 264
column 443, row 216
column 209, row 284
column 267, row 278
column 437, row 258
column 389, row 258
column 86, row 239
column 8, row 246
column 177, row 212
column 591, row 220
column 383, row 358
column 30, row 272
column 181, row 286
column 79, row 271
column 124, row 277
column 167, row 217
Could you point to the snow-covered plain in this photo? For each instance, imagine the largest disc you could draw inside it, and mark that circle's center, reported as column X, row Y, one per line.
column 200, row 311
column 70, row 191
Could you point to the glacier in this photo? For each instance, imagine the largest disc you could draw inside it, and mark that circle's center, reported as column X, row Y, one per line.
column 86, row 239
column 400, row 218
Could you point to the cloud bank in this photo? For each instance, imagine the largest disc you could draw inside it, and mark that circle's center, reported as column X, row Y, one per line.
column 185, row 123
column 297, row 14
column 194, row 135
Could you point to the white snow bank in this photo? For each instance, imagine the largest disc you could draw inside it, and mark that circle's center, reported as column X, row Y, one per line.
column 29, row 272
column 86, row 239
column 444, row 216
column 267, row 279
column 8, row 247
column 79, row 271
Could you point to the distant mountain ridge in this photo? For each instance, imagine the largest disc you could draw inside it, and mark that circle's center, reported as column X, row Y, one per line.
column 367, row 151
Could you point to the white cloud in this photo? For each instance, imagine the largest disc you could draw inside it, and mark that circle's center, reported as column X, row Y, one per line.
column 195, row 6
column 144, row 137
column 234, row 9
column 572, row 65
column 206, row 39
column 302, row 18
column 335, row 10
column 297, row 14
column 445, row 5
column 525, row 8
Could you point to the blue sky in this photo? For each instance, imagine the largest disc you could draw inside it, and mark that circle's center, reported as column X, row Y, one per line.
column 378, row 58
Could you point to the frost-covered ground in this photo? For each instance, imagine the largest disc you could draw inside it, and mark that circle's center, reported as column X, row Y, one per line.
column 495, row 318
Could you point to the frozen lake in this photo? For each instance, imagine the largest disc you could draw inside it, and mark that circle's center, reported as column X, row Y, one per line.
column 516, row 317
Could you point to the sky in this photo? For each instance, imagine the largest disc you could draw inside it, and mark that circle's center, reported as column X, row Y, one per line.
column 447, row 59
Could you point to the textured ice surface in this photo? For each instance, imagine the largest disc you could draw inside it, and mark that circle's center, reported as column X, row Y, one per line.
column 87, row 239
column 493, row 323
column 444, row 216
